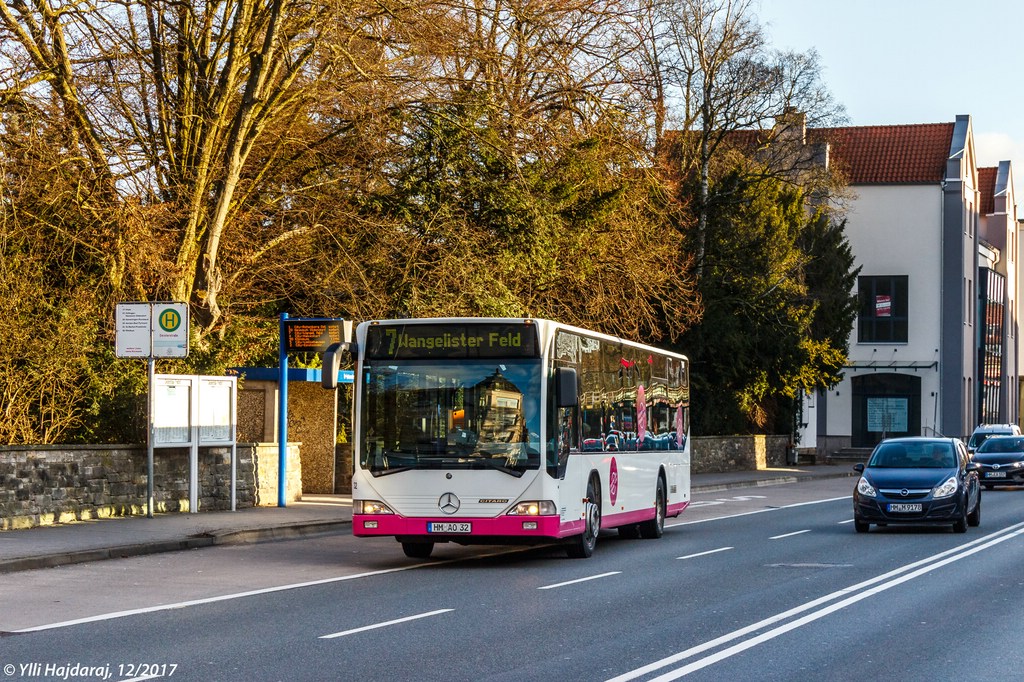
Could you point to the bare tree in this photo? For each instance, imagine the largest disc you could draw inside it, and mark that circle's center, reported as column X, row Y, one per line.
column 165, row 102
column 707, row 64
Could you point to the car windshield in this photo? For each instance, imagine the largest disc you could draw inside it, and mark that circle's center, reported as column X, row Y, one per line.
column 1003, row 444
column 977, row 439
column 913, row 455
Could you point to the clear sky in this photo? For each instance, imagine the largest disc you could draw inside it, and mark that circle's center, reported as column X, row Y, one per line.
column 895, row 62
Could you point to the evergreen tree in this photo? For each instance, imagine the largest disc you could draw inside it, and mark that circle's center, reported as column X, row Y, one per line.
column 777, row 306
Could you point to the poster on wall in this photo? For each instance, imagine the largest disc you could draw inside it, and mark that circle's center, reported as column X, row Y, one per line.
column 888, row 415
column 883, row 306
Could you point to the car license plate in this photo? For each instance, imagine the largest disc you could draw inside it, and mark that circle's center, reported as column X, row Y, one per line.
column 995, row 474
column 449, row 527
column 904, row 507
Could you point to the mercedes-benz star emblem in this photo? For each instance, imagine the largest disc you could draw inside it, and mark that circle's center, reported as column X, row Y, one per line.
column 449, row 503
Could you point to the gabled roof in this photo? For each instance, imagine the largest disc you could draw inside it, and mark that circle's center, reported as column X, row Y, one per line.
column 987, row 189
column 905, row 154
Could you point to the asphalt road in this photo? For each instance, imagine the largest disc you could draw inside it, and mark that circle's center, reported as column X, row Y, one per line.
column 765, row 584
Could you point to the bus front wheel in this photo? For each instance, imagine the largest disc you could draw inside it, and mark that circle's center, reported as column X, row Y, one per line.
column 582, row 546
column 418, row 550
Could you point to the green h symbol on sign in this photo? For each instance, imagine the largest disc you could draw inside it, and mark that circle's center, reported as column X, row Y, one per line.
column 169, row 320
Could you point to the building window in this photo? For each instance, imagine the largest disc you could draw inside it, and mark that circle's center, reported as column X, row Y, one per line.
column 883, row 309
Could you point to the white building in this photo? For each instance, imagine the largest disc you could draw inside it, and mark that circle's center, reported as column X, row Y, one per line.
column 934, row 349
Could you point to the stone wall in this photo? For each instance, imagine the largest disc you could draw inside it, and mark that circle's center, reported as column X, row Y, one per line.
column 343, row 468
column 60, row 484
column 717, row 454
column 312, row 420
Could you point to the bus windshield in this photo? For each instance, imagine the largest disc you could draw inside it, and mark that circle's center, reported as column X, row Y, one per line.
column 450, row 414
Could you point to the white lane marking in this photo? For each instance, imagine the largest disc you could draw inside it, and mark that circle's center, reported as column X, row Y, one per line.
column 846, row 521
column 240, row 595
column 710, row 551
column 922, row 566
column 757, row 511
column 385, row 624
column 578, row 580
column 789, row 535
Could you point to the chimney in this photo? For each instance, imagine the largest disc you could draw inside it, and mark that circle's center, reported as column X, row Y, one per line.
column 791, row 126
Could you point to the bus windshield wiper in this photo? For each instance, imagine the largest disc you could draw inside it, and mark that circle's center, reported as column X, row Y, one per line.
column 482, row 460
column 384, row 471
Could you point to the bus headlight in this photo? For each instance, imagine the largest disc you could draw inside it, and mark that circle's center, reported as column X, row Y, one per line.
column 370, row 507
column 533, row 508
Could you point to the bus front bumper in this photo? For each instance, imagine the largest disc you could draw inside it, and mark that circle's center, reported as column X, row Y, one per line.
column 466, row 529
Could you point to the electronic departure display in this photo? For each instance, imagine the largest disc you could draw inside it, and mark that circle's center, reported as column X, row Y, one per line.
column 452, row 341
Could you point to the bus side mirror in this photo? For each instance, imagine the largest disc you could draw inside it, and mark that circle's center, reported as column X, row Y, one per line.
column 332, row 363
column 567, row 386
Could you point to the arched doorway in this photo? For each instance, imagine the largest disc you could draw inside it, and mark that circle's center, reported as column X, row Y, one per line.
column 885, row 406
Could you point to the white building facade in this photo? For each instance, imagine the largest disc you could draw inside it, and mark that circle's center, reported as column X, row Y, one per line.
column 934, row 348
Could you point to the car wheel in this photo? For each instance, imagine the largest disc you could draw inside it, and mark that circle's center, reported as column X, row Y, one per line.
column 974, row 518
column 582, row 546
column 960, row 525
column 860, row 526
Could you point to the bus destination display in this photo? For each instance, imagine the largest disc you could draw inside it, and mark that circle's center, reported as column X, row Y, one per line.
column 449, row 341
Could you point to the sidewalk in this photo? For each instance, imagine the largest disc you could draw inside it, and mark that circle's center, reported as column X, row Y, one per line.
column 50, row 546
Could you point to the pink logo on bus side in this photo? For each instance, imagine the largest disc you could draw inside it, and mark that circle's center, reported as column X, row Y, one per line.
column 613, row 482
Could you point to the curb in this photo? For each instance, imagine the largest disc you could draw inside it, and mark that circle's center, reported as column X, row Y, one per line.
column 88, row 555
column 776, row 480
column 715, row 488
column 210, row 539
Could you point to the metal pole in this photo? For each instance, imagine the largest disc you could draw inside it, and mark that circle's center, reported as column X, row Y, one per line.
column 282, row 416
column 151, row 439
column 234, row 444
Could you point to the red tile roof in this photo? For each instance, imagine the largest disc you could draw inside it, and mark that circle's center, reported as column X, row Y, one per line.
column 987, row 188
column 872, row 155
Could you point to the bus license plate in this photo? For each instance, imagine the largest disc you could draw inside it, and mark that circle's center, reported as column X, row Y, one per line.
column 995, row 474
column 904, row 507
column 449, row 527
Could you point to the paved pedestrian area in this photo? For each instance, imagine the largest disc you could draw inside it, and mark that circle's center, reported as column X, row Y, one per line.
column 63, row 544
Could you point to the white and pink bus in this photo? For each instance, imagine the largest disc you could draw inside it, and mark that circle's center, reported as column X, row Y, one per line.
column 507, row 431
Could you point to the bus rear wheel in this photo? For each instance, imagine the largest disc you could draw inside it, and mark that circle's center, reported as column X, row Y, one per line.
column 582, row 546
column 418, row 550
column 655, row 528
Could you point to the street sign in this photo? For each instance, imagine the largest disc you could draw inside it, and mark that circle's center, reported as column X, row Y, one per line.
column 133, row 333
column 152, row 330
column 170, row 330
column 314, row 335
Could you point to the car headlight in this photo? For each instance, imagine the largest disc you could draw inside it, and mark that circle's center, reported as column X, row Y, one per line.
column 370, row 507
column 947, row 488
column 865, row 488
column 533, row 508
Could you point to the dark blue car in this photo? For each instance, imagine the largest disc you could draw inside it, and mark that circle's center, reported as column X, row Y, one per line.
column 927, row 481
column 1002, row 461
